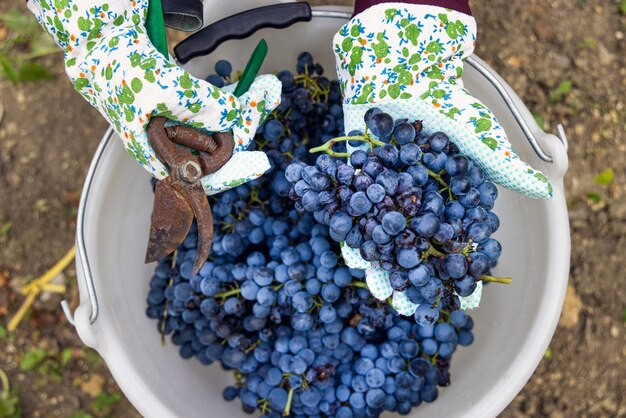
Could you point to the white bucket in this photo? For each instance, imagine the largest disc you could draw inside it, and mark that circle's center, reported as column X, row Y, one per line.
column 513, row 325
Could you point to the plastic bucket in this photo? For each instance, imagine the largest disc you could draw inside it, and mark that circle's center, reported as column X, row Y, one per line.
column 514, row 323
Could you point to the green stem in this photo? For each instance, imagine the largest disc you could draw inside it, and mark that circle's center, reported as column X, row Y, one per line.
column 362, row 285
column 43, row 53
column 437, row 176
column 432, row 251
column 253, row 346
column 287, row 410
column 328, row 145
column 4, row 379
column 493, row 279
column 468, row 248
column 228, row 293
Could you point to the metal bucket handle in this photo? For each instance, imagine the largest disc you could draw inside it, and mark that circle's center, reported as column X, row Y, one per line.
column 274, row 16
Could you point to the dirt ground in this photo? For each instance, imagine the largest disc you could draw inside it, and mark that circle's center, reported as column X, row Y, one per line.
column 48, row 135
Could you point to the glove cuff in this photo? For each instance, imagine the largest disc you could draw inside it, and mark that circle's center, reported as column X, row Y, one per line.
column 458, row 5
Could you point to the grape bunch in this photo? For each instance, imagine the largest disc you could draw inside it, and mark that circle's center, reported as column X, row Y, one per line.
column 410, row 203
column 302, row 339
column 275, row 302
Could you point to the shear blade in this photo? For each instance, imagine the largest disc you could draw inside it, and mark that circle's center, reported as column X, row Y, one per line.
column 204, row 219
column 172, row 216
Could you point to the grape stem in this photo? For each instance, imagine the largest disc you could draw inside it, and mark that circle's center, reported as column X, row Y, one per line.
column 432, row 251
column 362, row 285
column 253, row 346
column 287, row 410
column 437, row 176
column 4, row 379
column 228, row 293
column 327, row 147
column 493, row 279
column 468, row 248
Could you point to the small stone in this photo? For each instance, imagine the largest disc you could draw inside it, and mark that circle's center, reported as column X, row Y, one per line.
column 514, row 61
column 544, row 31
column 570, row 316
column 614, row 331
column 609, row 405
column 93, row 386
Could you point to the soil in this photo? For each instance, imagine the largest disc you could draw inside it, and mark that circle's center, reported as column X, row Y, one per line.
column 48, row 135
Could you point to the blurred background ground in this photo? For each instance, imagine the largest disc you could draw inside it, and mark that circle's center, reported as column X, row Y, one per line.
column 565, row 58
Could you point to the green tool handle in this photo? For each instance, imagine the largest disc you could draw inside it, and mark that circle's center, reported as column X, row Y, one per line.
column 155, row 26
column 252, row 68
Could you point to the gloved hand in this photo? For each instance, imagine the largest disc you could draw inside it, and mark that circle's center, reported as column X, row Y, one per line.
column 406, row 59
column 115, row 67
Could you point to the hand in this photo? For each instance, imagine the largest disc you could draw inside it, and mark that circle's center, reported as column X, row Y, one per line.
column 113, row 64
column 407, row 60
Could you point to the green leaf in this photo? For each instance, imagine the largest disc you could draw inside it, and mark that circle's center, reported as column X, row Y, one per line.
column 624, row 315
column 561, row 91
column 105, row 401
column 23, row 24
column 32, row 359
column 354, row 31
column 149, row 76
column 185, row 81
column 84, row 24
column 81, row 83
column 622, row 7
column 594, row 197
column 548, row 353
column 606, row 177
column 346, row 44
column 81, row 414
column 33, row 71
column 66, row 356
column 232, row 115
column 10, row 404
column 195, row 108
column 136, row 85
column 8, row 70
column 394, row 91
column 148, row 63
column 41, row 44
column 5, row 228
column 3, row 332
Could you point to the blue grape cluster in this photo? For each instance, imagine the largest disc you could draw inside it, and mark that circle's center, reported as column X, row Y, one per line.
column 302, row 335
column 275, row 304
column 412, row 204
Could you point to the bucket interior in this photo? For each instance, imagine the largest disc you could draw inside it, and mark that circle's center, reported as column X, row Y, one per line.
column 510, row 325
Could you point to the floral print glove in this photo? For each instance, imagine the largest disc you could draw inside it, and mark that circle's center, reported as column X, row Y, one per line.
column 407, row 60
column 115, row 67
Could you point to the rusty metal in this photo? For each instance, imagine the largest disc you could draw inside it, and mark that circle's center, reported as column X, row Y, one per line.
column 180, row 197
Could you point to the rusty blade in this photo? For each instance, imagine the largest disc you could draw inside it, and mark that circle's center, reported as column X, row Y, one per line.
column 204, row 219
column 172, row 216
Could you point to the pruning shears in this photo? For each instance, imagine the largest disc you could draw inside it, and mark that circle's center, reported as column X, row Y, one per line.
column 180, row 197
